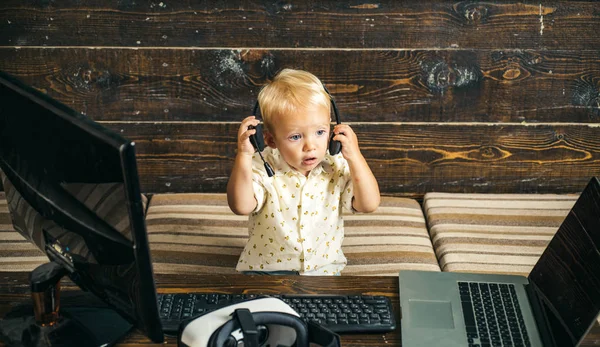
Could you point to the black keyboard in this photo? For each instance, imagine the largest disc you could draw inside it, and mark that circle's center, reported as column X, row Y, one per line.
column 340, row 314
column 492, row 315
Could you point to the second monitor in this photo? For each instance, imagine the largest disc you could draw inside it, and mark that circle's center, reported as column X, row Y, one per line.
column 73, row 190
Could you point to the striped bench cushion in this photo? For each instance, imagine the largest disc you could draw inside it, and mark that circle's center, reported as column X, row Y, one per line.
column 191, row 233
column 16, row 252
column 493, row 233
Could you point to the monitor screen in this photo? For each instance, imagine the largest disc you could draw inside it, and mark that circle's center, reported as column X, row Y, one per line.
column 72, row 190
column 567, row 276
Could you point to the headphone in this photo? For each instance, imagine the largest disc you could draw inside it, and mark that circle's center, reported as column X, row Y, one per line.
column 258, row 142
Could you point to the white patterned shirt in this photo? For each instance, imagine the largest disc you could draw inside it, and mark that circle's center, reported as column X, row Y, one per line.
column 297, row 224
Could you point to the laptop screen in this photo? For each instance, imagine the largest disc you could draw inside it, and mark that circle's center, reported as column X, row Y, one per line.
column 567, row 275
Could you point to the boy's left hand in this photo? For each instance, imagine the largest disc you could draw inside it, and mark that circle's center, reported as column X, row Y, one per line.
column 349, row 141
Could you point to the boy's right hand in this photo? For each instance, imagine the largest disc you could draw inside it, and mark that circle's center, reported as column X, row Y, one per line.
column 244, row 144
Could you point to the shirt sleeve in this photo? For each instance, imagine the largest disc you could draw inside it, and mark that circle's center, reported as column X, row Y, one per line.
column 347, row 194
column 258, row 179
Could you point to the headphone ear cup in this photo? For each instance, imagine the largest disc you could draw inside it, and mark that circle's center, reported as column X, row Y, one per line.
column 259, row 140
column 335, row 147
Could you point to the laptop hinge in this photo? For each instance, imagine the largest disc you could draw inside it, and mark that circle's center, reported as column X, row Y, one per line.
column 541, row 319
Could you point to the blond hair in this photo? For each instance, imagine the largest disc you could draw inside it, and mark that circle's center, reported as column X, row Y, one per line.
column 290, row 91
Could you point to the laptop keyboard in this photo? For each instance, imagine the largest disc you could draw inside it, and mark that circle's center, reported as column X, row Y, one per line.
column 341, row 314
column 492, row 315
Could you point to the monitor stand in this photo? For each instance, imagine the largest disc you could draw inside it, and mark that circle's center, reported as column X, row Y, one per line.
column 45, row 325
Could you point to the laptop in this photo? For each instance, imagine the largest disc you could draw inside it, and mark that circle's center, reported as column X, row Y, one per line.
column 556, row 305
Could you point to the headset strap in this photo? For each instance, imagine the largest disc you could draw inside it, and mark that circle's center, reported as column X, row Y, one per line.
column 247, row 325
column 317, row 334
column 322, row 336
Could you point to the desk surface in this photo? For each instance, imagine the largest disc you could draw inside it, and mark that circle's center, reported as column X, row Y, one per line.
column 14, row 290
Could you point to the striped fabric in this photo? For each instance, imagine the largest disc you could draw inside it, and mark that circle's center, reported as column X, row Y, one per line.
column 392, row 238
column 194, row 233
column 191, row 233
column 16, row 252
column 493, row 233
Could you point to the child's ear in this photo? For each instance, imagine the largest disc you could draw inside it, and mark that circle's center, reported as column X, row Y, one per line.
column 269, row 139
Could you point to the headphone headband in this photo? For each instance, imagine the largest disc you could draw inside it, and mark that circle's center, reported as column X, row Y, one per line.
column 333, row 105
column 257, row 140
column 335, row 110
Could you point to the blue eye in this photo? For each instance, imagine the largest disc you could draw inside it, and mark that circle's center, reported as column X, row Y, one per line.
column 321, row 132
column 295, row 137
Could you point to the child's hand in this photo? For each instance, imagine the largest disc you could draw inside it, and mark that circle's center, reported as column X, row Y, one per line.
column 349, row 141
column 366, row 189
column 244, row 144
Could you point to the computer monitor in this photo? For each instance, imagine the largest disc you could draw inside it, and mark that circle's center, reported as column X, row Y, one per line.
column 72, row 189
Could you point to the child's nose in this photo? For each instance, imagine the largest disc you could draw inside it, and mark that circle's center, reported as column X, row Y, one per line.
column 310, row 143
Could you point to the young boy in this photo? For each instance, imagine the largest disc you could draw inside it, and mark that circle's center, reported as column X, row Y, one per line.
column 295, row 222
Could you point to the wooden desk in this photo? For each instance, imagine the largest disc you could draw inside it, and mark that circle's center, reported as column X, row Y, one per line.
column 14, row 290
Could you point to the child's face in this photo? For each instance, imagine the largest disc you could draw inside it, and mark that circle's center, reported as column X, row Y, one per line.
column 301, row 138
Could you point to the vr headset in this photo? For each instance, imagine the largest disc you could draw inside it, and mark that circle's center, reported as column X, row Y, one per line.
column 260, row 322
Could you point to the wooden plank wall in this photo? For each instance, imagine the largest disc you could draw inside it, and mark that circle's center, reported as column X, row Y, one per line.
column 496, row 96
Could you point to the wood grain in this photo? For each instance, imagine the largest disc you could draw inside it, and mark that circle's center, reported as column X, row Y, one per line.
column 443, row 94
column 14, row 291
column 369, row 86
column 407, row 159
column 414, row 24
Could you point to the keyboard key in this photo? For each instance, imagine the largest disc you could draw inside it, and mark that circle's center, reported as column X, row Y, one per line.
column 492, row 314
column 341, row 314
